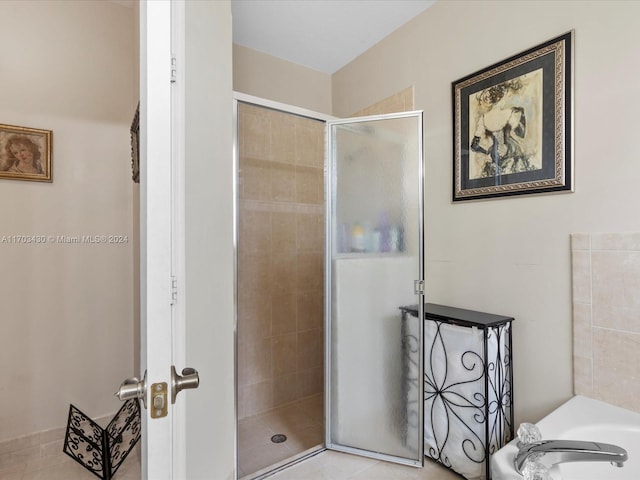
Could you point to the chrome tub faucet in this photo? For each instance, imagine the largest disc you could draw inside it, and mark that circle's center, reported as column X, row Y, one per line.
column 550, row 452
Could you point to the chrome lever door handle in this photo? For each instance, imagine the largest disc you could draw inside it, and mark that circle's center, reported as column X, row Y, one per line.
column 188, row 379
column 133, row 388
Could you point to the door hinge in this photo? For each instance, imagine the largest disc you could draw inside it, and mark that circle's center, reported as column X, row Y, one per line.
column 174, row 69
column 418, row 287
column 174, row 290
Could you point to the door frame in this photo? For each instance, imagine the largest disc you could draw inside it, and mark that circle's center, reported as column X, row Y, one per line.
column 162, row 229
column 198, row 329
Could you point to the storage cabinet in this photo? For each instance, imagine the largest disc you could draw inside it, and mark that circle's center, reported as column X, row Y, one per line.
column 468, row 378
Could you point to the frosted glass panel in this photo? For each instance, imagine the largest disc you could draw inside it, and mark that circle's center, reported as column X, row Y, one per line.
column 375, row 257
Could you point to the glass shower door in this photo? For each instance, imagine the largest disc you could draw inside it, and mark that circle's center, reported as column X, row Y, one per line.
column 374, row 266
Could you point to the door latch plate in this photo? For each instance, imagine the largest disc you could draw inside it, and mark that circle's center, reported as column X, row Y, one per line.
column 158, row 403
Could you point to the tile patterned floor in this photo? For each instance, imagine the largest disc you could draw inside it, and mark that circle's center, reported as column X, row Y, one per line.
column 330, row 465
column 56, row 465
column 301, row 422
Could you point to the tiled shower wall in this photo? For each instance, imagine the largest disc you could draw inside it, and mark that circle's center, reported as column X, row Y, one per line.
column 606, row 317
column 280, row 258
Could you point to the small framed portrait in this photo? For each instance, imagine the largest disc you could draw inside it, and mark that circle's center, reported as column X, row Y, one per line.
column 25, row 153
column 512, row 125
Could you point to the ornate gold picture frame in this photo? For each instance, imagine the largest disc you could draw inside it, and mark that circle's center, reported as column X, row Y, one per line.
column 512, row 125
column 25, row 153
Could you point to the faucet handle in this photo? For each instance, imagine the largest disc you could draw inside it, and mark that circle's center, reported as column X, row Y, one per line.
column 535, row 470
column 528, row 433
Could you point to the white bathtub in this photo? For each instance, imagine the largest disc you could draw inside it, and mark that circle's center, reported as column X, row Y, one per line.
column 582, row 418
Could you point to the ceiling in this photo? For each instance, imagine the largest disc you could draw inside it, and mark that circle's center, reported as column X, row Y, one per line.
column 324, row 35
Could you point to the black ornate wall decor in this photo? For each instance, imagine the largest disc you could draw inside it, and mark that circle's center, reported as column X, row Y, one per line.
column 135, row 146
column 102, row 450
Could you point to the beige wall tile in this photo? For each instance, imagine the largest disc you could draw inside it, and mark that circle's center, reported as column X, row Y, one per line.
column 254, row 179
column 254, row 364
column 284, row 313
column 284, row 233
column 310, row 349
column 309, row 185
column 310, row 272
column 254, row 275
column 607, row 332
column 615, row 368
column 309, row 143
column 616, row 283
column 255, row 317
column 310, row 310
column 281, row 247
column 580, row 241
column 254, row 235
column 285, row 389
column 615, row 241
column 582, row 376
column 256, row 132
column 581, row 276
column 284, row 352
column 310, row 232
column 255, row 399
column 283, row 137
column 311, row 381
column 582, row 336
column 403, row 101
column 283, row 182
column 283, row 269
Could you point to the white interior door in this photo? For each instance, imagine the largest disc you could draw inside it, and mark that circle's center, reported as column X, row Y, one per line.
column 156, row 249
column 187, row 246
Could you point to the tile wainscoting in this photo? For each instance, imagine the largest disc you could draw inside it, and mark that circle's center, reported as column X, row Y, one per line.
column 606, row 317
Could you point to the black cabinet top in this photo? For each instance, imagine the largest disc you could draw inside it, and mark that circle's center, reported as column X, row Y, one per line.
column 458, row 316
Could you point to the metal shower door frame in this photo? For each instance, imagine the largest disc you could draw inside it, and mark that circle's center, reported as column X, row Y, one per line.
column 330, row 153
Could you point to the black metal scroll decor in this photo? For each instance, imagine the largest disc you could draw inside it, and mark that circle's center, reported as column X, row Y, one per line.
column 468, row 377
column 468, row 398
column 102, row 450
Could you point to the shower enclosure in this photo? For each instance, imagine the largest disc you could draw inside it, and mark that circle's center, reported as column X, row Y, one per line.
column 280, row 282
column 329, row 247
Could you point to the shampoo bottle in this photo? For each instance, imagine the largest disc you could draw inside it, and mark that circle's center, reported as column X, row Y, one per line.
column 357, row 238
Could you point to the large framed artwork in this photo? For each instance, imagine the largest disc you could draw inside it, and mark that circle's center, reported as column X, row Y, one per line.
column 512, row 125
column 25, row 153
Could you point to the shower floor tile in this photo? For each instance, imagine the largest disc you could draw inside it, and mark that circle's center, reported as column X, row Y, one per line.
column 301, row 422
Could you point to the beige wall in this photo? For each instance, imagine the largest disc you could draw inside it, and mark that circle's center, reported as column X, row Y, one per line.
column 67, row 312
column 256, row 73
column 511, row 256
